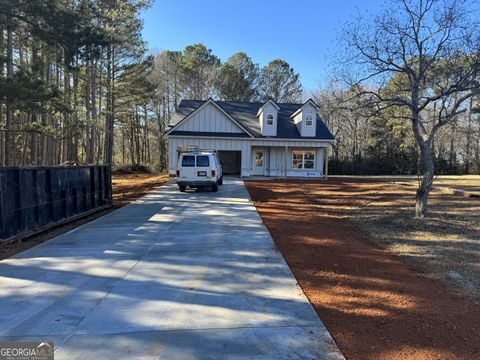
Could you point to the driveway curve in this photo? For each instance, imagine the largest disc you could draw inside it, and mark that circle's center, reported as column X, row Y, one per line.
column 171, row 276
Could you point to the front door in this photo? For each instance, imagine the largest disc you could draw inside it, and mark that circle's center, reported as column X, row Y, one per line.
column 259, row 163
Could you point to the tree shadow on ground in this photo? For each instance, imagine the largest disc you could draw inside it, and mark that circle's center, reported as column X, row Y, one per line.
column 139, row 282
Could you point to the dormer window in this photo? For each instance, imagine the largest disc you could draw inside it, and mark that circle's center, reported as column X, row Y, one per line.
column 267, row 116
column 309, row 120
column 269, row 119
column 305, row 118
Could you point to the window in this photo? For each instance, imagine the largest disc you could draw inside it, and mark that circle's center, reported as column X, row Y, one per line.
column 297, row 159
column 259, row 159
column 270, row 119
column 188, row 161
column 303, row 159
column 308, row 160
column 309, row 120
column 203, row 161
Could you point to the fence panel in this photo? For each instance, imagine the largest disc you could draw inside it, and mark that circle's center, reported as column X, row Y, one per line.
column 35, row 198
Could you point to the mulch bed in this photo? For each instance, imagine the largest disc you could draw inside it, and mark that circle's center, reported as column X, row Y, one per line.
column 374, row 305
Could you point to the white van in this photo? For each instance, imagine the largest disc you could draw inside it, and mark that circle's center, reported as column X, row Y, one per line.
column 199, row 168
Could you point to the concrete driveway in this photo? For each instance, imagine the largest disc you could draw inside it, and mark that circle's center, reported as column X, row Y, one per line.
column 170, row 276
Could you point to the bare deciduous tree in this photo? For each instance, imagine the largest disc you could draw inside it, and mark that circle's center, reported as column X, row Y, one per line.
column 416, row 55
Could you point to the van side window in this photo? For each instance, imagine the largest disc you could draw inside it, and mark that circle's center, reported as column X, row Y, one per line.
column 188, row 161
column 202, row 161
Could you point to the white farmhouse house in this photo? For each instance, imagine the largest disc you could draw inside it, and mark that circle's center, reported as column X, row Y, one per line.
column 252, row 138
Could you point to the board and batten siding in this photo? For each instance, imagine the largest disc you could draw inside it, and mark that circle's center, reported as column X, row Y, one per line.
column 269, row 130
column 275, row 161
column 275, row 153
column 209, row 119
column 299, row 120
column 209, row 143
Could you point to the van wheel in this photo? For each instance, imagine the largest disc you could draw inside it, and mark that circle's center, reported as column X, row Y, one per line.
column 215, row 187
column 182, row 188
column 220, row 181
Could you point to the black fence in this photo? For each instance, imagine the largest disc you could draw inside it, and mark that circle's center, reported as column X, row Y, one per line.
column 35, row 198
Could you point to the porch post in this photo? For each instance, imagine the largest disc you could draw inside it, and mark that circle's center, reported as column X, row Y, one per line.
column 249, row 160
column 326, row 163
column 286, row 160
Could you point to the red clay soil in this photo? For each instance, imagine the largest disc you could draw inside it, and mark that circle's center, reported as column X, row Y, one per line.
column 374, row 305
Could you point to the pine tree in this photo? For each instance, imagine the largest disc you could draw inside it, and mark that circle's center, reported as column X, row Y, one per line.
column 280, row 82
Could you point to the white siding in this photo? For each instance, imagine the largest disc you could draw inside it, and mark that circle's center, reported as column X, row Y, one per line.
column 274, row 151
column 265, row 129
column 208, row 143
column 309, row 130
column 209, row 119
column 299, row 120
column 276, row 162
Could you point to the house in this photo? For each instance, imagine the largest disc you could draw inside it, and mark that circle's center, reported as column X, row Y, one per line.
column 253, row 138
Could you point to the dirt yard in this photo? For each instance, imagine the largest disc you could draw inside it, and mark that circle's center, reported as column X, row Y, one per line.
column 125, row 188
column 386, row 285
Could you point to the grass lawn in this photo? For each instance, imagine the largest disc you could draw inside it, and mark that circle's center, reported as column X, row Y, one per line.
column 387, row 285
column 464, row 182
column 446, row 245
column 469, row 183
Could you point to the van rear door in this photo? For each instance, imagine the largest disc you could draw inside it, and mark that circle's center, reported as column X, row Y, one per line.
column 187, row 167
column 203, row 167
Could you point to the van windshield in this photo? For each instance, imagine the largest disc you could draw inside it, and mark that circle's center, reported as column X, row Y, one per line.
column 188, row 161
column 202, row 161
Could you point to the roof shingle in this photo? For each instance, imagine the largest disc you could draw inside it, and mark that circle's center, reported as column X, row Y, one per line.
column 245, row 113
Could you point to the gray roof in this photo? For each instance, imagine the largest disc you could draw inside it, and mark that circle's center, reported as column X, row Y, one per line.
column 245, row 113
column 208, row 134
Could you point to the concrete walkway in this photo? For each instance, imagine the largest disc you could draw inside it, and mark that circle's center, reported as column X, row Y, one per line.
column 172, row 276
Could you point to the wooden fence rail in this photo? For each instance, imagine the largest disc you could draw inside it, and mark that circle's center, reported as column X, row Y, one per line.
column 35, row 198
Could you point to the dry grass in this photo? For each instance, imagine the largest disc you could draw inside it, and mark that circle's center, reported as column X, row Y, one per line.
column 469, row 183
column 464, row 182
column 445, row 245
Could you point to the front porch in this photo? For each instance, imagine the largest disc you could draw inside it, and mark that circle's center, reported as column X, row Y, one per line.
column 291, row 162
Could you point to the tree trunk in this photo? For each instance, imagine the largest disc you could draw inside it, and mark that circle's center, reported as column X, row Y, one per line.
column 123, row 145
column 425, row 185
column 468, row 139
column 98, row 141
column 132, row 142
column 137, row 136
column 91, row 143
column 109, row 118
column 88, row 109
column 74, row 145
column 9, row 139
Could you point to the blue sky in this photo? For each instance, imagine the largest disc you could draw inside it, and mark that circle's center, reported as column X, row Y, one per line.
column 303, row 32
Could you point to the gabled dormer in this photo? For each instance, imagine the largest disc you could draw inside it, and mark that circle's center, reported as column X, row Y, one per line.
column 305, row 119
column 268, row 117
